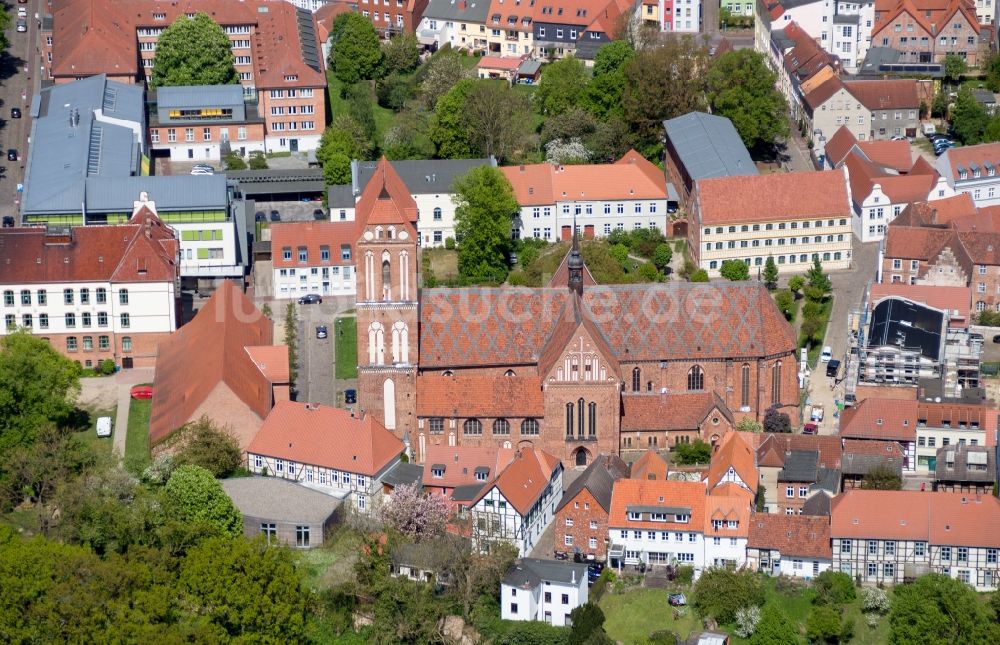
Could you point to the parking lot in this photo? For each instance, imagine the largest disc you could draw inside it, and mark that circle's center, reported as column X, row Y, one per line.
column 291, row 211
column 317, row 355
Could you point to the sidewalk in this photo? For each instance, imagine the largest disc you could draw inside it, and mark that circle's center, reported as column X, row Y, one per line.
column 125, row 379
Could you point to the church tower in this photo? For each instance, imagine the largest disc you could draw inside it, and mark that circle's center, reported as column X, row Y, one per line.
column 386, row 268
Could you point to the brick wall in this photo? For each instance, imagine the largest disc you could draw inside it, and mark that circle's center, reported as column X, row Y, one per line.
column 582, row 510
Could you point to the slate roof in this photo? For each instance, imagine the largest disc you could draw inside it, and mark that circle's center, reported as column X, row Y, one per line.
column 599, row 479
column 708, row 146
column 277, row 499
column 484, row 326
column 800, row 466
column 791, row 535
column 861, row 456
column 403, row 473
column 183, row 96
column 818, row 505
column 472, row 11
column 966, row 464
column 528, row 573
column 421, row 177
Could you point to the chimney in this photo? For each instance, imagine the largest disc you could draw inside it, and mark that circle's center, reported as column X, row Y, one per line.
column 574, row 575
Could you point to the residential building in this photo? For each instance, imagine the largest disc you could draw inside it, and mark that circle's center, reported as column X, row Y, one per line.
column 727, row 526
column 797, row 58
column 915, row 30
column 840, row 28
column 773, row 450
column 657, row 523
column 894, row 106
column 799, row 472
column 313, row 257
column 95, row 293
column 973, row 170
column 700, row 146
column 459, row 24
column 652, row 420
column 792, row 217
column 872, row 110
column 222, row 365
column 449, row 467
column 881, row 420
column 274, row 45
column 830, row 106
column 401, row 16
column 732, row 463
column 581, row 521
column 649, row 466
column 626, row 195
column 204, row 123
column 965, row 469
column 509, row 29
column 281, row 511
column 519, row 502
column 544, row 590
column 797, row 546
column 948, row 424
column 892, row 536
column 88, row 164
column 333, row 451
column 429, row 181
column 861, row 456
column 579, row 27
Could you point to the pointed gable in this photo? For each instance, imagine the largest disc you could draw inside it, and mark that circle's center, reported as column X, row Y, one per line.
column 576, row 334
column 387, row 201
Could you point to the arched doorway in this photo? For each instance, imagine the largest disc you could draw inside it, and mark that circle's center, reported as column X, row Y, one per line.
column 581, row 457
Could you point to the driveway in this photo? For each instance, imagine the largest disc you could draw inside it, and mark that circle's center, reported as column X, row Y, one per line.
column 316, row 355
column 125, row 379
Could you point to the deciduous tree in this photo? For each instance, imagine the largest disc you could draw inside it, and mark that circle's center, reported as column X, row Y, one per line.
column 735, row 270
column 400, row 54
column 742, row 88
column 663, row 82
column 774, row 628
column 414, row 514
column 193, row 496
column 563, row 83
column 449, row 131
column 882, row 477
column 202, row 443
column 776, row 421
column 342, row 141
column 355, row 54
column 194, row 51
column 937, row 609
column 720, row 592
column 497, row 120
column 485, row 202
column 441, row 73
column 969, row 118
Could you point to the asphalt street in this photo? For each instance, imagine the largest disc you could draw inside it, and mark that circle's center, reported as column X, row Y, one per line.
column 20, row 76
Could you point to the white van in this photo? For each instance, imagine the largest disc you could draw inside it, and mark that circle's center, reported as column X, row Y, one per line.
column 104, row 426
column 928, row 129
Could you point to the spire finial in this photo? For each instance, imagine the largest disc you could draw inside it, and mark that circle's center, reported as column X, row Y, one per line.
column 574, row 263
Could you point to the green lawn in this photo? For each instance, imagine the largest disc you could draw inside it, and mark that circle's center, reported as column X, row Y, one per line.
column 330, row 564
column 817, row 348
column 633, row 615
column 346, row 348
column 137, row 440
column 101, row 445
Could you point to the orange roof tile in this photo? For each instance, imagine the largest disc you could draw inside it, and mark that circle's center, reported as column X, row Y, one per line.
column 462, row 462
column 524, row 479
column 824, row 92
column 891, row 154
column 966, row 156
column 505, row 63
column 479, row 396
column 886, row 419
column 918, row 243
column 312, row 236
column 773, row 446
column 728, row 508
column 939, row 212
column 641, row 492
column 209, row 350
column 778, row 196
column 839, row 145
column 733, row 453
column 953, row 519
column 649, row 466
column 684, row 411
column 982, row 220
column 272, row 361
column 899, row 94
column 805, row 536
column 328, row 437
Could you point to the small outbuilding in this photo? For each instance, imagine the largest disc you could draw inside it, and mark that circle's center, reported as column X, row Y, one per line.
column 284, row 512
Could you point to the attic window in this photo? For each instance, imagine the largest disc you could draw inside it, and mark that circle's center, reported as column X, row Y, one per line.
column 878, row 421
column 291, row 77
column 580, row 13
column 906, row 422
column 159, row 16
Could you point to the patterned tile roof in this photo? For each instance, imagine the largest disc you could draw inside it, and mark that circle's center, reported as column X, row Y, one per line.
column 466, row 327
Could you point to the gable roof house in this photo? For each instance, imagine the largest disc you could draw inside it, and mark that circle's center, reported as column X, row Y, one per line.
column 221, row 365
column 682, row 417
column 699, row 146
column 797, row 546
column 330, row 450
column 581, row 518
column 519, row 502
column 447, row 468
column 543, row 590
column 965, row 469
column 974, row 170
column 860, row 457
column 884, row 420
column 819, row 456
column 916, row 28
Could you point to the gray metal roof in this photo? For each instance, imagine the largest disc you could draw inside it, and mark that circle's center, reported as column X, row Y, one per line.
column 185, row 96
column 709, row 146
column 984, row 96
column 531, row 572
column 530, row 67
column 847, row 19
column 474, row 11
column 800, row 466
column 466, row 493
column 598, row 480
column 171, row 193
column 827, row 479
column 340, row 196
column 278, row 499
column 403, row 473
column 422, row 177
column 781, row 41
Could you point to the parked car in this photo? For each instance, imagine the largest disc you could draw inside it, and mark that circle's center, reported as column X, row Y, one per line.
column 350, row 397
column 321, row 331
column 275, row 216
column 996, row 339
column 319, row 214
column 22, row 25
column 928, row 129
column 832, row 368
column 104, row 426
column 204, row 166
column 826, row 354
column 810, row 428
column 898, row 137
column 12, row 154
column 677, row 599
column 8, row 221
column 15, row 113
column 202, row 171
column 817, row 413
column 260, row 216
column 141, row 392
column 310, row 299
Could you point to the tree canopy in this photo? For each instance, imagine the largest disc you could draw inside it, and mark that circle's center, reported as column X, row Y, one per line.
column 485, row 202
column 194, row 51
column 742, row 88
column 735, row 270
column 937, row 609
column 719, row 592
column 563, row 82
column 355, row 54
column 193, row 496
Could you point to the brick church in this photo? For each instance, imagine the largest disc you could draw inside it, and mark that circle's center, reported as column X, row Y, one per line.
column 575, row 368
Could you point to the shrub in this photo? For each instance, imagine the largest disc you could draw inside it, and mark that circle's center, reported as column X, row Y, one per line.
column 698, row 452
column 449, row 243
column 662, row 637
column 720, row 593
column 684, row 574
column 107, row 367
column 746, row 621
column 875, row 600
column 834, row 588
column 517, row 278
column 601, row 584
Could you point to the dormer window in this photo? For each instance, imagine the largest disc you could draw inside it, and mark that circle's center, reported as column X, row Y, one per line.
column 634, row 516
column 975, row 174
column 437, row 473
column 291, row 77
column 657, row 517
column 962, row 174
column 682, row 519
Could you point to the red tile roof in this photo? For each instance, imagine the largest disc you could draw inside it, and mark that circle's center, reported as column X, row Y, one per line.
column 461, row 462
column 683, row 411
column 981, row 247
column 947, row 298
column 328, row 437
column 771, row 448
column 891, row 154
column 731, row 507
column 839, row 145
column 313, row 236
column 768, row 198
column 479, row 396
column 643, row 492
column 928, row 14
column 939, row 212
column 733, row 452
column 824, row 92
column 918, row 243
column 886, row 419
column 982, row 220
column 523, row 480
column 560, row 279
column 952, row 519
column 272, row 361
column 804, row 536
column 208, row 351
column 649, row 466
column 967, row 155
column 628, row 179
column 144, row 250
column 880, row 94
column 505, row 63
